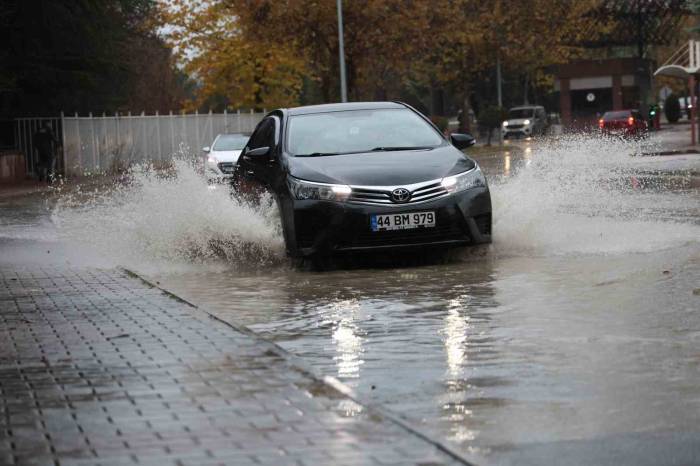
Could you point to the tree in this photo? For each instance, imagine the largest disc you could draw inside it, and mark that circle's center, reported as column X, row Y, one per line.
column 230, row 58
column 232, row 46
column 491, row 118
column 80, row 55
column 295, row 44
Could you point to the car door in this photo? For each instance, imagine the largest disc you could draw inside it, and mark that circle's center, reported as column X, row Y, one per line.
column 257, row 172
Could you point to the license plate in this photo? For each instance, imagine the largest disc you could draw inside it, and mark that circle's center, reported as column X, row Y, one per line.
column 406, row 221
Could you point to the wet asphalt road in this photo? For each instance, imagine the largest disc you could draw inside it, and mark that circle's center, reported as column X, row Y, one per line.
column 574, row 339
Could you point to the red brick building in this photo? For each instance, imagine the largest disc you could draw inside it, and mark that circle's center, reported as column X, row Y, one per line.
column 589, row 88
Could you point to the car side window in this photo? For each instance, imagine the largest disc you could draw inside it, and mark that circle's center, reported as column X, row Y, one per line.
column 264, row 135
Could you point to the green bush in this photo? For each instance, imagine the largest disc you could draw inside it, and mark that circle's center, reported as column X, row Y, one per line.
column 441, row 122
column 672, row 108
column 492, row 117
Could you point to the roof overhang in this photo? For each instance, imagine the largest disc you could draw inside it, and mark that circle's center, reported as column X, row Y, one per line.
column 676, row 71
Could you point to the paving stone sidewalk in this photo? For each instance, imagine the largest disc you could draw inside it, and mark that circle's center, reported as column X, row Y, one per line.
column 98, row 368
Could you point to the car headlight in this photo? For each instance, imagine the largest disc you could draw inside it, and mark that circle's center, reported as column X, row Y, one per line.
column 212, row 159
column 505, row 123
column 474, row 178
column 526, row 122
column 305, row 190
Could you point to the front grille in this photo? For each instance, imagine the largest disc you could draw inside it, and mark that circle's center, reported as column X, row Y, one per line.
column 227, row 167
column 307, row 225
column 381, row 195
column 514, row 126
column 406, row 237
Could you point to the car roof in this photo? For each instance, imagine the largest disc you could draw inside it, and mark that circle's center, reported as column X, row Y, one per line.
column 339, row 107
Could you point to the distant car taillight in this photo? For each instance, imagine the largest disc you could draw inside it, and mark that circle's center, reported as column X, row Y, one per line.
column 630, row 121
column 601, row 123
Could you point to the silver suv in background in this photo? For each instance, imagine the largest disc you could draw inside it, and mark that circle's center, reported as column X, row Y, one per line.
column 525, row 121
column 222, row 156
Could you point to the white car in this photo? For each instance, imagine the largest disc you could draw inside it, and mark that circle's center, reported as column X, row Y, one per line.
column 222, row 156
column 525, row 121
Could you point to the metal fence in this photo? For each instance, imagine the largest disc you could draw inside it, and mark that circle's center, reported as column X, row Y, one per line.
column 25, row 129
column 94, row 144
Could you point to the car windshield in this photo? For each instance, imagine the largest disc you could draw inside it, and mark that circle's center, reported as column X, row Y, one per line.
column 622, row 115
column 231, row 142
column 519, row 113
column 359, row 131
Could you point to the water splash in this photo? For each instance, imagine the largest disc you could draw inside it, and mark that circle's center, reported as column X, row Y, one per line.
column 152, row 217
column 574, row 195
column 584, row 195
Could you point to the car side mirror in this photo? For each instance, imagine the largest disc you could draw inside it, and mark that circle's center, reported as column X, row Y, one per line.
column 462, row 141
column 206, row 149
column 258, row 152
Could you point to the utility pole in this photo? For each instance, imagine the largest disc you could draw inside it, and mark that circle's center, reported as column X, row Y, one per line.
column 341, row 53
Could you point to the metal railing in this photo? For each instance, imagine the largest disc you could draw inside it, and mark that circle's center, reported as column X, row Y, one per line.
column 93, row 144
column 25, row 129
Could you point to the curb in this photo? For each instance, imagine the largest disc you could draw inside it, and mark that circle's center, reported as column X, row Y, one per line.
column 299, row 365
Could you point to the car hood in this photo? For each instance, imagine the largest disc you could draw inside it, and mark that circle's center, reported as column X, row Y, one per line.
column 381, row 168
column 226, row 155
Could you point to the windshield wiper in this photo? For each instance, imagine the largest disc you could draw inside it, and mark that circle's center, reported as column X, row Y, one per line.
column 376, row 149
column 393, row 148
column 318, row 154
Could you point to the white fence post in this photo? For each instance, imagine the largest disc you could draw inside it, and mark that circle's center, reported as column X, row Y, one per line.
column 211, row 127
column 63, row 142
column 117, row 140
column 80, row 141
column 131, row 136
column 160, row 152
column 92, row 142
column 172, row 133
column 196, row 125
column 144, row 133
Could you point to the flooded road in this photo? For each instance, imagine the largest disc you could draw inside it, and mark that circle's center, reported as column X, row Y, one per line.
column 575, row 336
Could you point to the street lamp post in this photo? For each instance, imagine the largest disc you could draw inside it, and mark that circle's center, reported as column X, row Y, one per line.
column 341, row 53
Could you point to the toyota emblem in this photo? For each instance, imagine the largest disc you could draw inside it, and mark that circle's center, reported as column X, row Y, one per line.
column 400, row 195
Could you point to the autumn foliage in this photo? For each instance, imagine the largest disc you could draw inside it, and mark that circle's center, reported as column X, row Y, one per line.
column 270, row 53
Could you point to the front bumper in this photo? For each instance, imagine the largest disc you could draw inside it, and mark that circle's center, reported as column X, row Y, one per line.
column 220, row 172
column 521, row 131
column 323, row 227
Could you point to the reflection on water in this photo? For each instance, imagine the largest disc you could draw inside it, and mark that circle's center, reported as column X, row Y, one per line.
column 455, row 335
column 345, row 336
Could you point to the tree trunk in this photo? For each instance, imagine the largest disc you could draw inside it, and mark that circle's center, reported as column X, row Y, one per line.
column 526, row 101
column 465, row 124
